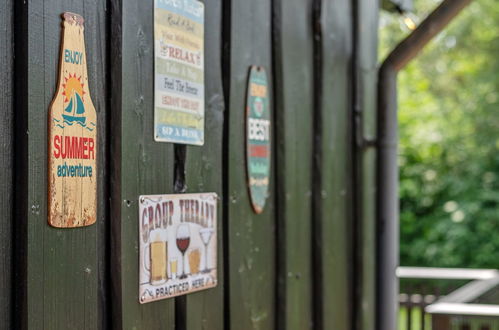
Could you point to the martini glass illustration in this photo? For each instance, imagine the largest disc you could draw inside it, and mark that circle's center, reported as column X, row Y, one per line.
column 205, row 234
column 183, row 240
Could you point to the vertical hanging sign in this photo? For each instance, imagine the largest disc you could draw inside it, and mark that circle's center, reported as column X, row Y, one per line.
column 258, row 146
column 72, row 145
column 178, row 245
column 179, row 71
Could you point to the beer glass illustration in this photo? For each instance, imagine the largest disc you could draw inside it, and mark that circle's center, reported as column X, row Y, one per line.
column 205, row 234
column 173, row 268
column 156, row 255
column 183, row 241
column 194, row 261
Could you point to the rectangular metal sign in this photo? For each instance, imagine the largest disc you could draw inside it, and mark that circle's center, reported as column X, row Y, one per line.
column 178, row 245
column 179, row 71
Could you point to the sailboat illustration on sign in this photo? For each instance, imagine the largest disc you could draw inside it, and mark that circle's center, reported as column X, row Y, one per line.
column 73, row 89
column 76, row 108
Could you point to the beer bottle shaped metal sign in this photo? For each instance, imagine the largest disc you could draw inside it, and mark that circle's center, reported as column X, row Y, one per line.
column 72, row 145
column 258, row 142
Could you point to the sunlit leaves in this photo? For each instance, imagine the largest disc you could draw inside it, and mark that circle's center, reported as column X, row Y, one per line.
column 449, row 140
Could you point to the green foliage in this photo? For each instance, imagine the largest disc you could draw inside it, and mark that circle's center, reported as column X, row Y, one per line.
column 449, row 141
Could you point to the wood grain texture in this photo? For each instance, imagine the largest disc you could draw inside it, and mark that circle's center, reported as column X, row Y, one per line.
column 251, row 237
column 204, row 171
column 6, row 161
column 95, row 12
column 294, row 137
column 59, row 277
column 66, row 279
column 336, row 166
column 140, row 166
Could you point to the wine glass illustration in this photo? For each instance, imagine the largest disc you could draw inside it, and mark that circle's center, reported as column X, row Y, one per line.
column 183, row 240
column 205, row 234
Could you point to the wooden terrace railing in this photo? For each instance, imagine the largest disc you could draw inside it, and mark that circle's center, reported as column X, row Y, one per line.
column 474, row 305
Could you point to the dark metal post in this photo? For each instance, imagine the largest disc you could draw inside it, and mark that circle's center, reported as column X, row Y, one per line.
column 388, row 210
column 387, row 172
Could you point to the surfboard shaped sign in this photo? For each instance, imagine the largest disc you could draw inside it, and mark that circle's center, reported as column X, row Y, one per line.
column 72, row 126
column 258, row 137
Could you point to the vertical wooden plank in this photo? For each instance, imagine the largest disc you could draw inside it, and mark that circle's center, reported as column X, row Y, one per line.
column 251, row 237
column 366, row 39
column 6, row 161
column 335, row 192
column 139, row 165
column 58, row 269
column 96, row 12
column 204, row 170
column 294, row 121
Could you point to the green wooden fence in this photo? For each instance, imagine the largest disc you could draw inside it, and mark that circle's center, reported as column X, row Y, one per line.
column 307, row 261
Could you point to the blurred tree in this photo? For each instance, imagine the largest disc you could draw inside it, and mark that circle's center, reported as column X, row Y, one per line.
column 449, row 140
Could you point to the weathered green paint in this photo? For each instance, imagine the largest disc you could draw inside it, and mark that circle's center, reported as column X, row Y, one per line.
column 258, row 137
column 336, row 166
column 290, row 267
column 204, row 172
column 57, row 270
column 140, row 165
column 293, row 58
column 6, row 161
column 251, row 237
